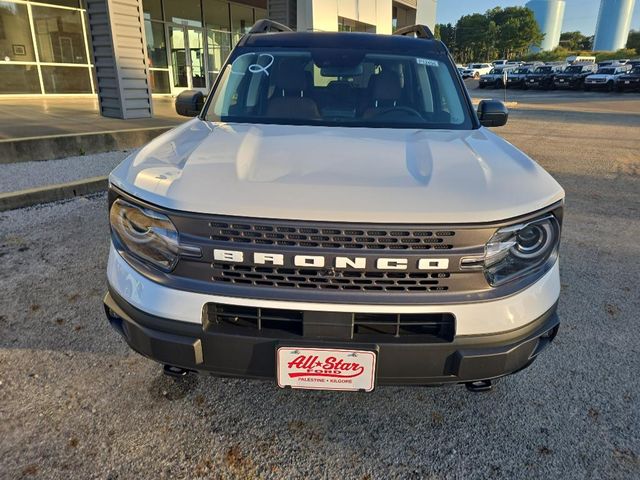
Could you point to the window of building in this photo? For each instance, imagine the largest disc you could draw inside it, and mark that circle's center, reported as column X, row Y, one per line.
column 156, row 44
column 349, row 25
column 216, row 15
column 15, row 34
column 183, row 12
column 59, row 35
column 19, row 79
column 241, row 18
column 152, row 9
column 402, row 16
column 62, row 79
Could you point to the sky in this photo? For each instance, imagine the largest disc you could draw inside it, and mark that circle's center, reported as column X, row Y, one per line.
column 579, row 14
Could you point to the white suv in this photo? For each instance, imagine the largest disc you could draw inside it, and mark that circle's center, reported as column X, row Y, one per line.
column 336, row 216
column 475, row 70
column 605, row 77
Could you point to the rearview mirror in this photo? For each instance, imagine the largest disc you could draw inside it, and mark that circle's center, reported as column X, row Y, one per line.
column 189, row 103
column 492, row 113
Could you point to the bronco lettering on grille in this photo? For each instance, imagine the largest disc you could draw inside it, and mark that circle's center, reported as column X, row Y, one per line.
column 319, row 261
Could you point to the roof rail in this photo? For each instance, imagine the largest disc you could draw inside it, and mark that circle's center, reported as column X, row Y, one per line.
column 420, row 31
column 265, row 26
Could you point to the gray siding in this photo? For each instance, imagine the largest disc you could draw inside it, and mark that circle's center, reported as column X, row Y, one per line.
column 118, row 42
column 283, row 11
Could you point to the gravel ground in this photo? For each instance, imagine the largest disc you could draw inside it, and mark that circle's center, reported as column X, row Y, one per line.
column 75, row 402
column 19, row 176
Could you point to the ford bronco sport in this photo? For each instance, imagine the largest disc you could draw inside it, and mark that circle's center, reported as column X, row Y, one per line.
column 336, row 216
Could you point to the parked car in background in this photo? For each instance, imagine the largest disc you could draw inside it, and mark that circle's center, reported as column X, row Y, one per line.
column 542, row 77
column 574, row 59
column 605, row 78
column 613, row 63
column 573, row 76
column 474, row 70
column 495, row 78
column 516, row 77
column 629, row 81
column 499, row 63
column 532, row 65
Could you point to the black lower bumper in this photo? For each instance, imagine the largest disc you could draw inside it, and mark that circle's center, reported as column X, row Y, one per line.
column 465, row 359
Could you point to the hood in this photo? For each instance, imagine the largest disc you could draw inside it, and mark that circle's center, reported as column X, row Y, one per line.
column 337, row 174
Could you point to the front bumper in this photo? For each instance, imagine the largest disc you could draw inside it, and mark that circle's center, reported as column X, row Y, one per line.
column 465, row 359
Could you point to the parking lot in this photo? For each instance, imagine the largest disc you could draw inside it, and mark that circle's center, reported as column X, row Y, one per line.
column 75, row 402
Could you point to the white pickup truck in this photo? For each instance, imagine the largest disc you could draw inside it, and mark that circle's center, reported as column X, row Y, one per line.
column 336, row 216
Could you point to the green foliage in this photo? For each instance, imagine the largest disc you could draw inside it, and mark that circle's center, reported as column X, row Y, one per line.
column 506, row 33
column 634, row 40
column 576, row 41
column 561, row 53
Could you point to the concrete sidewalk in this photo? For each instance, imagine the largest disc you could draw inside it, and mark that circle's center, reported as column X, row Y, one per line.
column 22, row 118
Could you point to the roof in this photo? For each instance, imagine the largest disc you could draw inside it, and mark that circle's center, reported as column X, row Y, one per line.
column 351, row 40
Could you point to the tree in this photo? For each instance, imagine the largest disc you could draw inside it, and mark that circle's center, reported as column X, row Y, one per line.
column 575, row 41
column 517, row 30
column 473, row 37
column 634, row 40
column 504, row 32
column 446, row 33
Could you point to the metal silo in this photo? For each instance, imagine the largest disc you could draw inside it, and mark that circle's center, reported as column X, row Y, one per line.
column 549, row 15
column 613, row 25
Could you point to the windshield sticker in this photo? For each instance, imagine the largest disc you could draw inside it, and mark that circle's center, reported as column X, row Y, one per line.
column 255, row 67
column 427, row 61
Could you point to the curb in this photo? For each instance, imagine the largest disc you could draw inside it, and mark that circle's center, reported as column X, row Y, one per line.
column 52, row 193
column 476, row 101
column 52, row 147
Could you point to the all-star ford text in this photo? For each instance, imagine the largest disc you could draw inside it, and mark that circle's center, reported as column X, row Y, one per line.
column 336, row 216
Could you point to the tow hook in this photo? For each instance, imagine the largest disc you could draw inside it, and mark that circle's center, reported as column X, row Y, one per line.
column 172, row 371
column 479, row 386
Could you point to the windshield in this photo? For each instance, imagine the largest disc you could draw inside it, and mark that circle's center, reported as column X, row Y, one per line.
column 574, row 69
column 544, row 69
column 606, row 71
column 337, row 87
column 635, row 71
column 477, row 65
column 520, row 71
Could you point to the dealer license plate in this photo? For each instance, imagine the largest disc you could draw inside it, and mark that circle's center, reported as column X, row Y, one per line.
column 561, row 81
column 626, row 82
column 326, row 368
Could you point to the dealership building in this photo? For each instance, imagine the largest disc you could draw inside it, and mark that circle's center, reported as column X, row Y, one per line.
column 125, row 50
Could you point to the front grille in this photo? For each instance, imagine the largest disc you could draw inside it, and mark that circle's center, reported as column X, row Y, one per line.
column 264, row 276
column 274, row 323
column 324, row 237
column 242, row 274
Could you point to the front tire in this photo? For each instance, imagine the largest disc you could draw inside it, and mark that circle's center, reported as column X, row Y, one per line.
column 587, row 88
column 609, row 86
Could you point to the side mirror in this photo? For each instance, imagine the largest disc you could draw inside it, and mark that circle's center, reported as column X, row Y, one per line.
column 189, row 103
column 492, row 113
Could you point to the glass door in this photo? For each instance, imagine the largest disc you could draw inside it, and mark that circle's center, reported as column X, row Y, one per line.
column 188, row 62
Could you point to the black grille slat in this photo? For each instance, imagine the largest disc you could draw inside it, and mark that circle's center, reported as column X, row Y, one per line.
column 318, row 237
column 270, row 322
column 409, row 282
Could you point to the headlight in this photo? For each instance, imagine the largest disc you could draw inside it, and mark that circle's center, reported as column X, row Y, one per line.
column 145, row 234
column 518, row 250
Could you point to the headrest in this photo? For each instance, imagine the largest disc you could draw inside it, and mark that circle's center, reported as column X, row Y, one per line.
column 387, row 86
column 290, row 75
